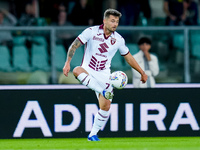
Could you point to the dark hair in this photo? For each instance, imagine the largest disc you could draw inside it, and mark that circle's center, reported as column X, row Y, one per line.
column 113, row 12
column 144, row 40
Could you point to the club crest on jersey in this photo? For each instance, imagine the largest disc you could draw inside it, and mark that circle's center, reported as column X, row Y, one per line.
column 113, row 40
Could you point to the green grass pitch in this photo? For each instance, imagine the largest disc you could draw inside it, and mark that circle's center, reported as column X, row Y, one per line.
column 142, row 143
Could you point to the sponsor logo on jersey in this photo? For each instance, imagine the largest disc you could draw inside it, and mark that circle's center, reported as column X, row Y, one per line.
column 98, row 39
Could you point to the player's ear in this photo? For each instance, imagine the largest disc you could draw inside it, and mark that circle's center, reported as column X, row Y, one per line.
column 104, row 20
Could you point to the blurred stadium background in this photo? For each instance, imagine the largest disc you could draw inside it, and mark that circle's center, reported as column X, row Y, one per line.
column 37, row 53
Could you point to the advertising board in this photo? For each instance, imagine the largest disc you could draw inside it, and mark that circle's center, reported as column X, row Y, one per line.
column 68, row 113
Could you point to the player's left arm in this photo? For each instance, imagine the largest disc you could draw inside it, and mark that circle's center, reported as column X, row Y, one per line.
column 133, row 63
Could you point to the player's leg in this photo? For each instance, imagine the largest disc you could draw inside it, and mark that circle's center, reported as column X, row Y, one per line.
column 104, row 101
column 100, row 118
column 83, row 76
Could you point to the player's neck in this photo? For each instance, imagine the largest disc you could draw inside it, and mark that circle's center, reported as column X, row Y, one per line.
column 107, row 32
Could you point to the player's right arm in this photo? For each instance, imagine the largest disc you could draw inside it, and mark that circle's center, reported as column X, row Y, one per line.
column 71, row 51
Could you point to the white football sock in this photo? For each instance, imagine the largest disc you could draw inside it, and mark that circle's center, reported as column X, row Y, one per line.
column 99, row 121
column 90, row 82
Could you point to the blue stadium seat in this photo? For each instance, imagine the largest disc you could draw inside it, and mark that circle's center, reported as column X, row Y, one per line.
column 78, row 57
column 196, row 50
column 39, row 62
column 19, row 40
column 39, row 50
column 195, row 38
column 40, row 58
column 178, row 41
column 39, row 40
column 5, row 59
column 21, row 58
column 60, row 57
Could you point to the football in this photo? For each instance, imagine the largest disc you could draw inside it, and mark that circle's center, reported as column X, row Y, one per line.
column 118, row 79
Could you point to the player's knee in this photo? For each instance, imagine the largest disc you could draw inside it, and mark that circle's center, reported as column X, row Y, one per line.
column 105, row 107
column 76, row 71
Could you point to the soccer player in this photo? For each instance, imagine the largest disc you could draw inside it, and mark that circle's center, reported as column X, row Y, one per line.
column 102, row 42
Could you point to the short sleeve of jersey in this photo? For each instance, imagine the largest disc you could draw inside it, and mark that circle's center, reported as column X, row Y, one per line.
column 123, row 49
column 85, row 35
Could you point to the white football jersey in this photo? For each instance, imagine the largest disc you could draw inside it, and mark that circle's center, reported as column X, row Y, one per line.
column 100, row 50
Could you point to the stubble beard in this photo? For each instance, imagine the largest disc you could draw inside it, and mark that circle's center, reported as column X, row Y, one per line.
column 110, row 30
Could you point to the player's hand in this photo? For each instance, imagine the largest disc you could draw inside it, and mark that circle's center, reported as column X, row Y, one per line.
column 66, row 69
column 144, row 77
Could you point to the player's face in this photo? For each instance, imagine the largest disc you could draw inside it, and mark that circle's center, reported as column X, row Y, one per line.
column 111, row 23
